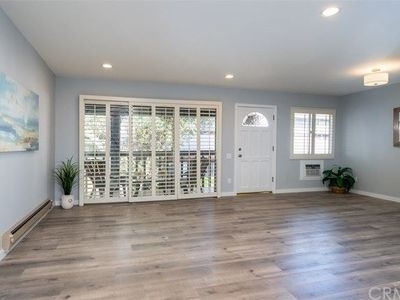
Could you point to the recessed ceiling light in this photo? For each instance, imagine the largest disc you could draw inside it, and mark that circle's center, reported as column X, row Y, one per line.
column 330, row 11
column 107, row 66
column 229, row 76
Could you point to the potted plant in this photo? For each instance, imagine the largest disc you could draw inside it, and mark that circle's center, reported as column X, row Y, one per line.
column 66, row 175
column 339, row 179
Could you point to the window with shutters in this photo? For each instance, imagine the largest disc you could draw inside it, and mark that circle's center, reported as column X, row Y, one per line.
column 148, row 149
column 312, row 133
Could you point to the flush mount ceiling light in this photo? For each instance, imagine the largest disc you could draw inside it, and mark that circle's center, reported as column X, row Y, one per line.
column 229, row 76
column 376, row 78
column 330, row 11
column 106, row 66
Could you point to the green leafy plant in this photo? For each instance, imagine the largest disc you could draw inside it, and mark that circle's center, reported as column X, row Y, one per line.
column 337, row 176
column 66, row 175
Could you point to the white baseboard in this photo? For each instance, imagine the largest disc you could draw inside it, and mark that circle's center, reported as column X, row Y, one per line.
column 2, row 254
column 228, row 194
column 300, row 190
column 379, row 196
column 283, row 191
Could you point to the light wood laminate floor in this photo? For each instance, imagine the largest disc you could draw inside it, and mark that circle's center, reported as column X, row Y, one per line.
column 256, row 246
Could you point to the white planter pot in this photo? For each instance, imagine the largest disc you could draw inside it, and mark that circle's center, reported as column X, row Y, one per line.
column 67, row 201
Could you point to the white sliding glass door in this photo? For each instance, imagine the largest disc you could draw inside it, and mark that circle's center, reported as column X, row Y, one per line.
column 133, row 150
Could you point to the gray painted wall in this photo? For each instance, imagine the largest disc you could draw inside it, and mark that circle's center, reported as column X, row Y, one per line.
column 67, row 118
column 368, row 139
column 25, row 177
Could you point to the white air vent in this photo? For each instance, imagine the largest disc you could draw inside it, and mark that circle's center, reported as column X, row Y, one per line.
column 311, row 169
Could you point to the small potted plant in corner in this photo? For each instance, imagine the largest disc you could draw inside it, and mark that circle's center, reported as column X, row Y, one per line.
column 339, row 179
column 66, row 175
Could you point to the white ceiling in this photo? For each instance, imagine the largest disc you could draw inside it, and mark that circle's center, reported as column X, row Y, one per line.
column 269, row 45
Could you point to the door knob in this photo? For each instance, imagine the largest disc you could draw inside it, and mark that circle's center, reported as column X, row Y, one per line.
column 240, row 155
column 240, row 149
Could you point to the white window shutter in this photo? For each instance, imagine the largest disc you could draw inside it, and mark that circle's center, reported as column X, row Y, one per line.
column 312, row 133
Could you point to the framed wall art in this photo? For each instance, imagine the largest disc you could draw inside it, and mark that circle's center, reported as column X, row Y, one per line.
column 19, row 116
column 396, row 127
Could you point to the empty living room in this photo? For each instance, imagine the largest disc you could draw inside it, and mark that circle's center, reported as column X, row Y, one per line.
column 200, row 149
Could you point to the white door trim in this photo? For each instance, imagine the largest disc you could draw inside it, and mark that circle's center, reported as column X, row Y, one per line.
column 273, row 167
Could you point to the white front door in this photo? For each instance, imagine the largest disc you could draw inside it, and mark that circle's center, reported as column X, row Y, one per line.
column 255, row 130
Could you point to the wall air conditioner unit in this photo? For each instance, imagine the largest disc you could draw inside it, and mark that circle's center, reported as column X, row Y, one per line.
column 311, row 169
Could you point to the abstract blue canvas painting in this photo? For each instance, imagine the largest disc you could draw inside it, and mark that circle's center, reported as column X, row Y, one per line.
column 19, row 116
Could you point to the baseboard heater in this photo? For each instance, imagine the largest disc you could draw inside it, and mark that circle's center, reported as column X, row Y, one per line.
column 19, row 230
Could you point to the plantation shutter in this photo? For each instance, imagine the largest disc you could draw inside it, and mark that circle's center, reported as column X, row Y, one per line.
column 165, row 150
column 188, row 150
column 140, row 151
column 119, row 154
column 141, row 174
column 313, row 132
column 323, row 133
column 302, row 133
column 208, row 169
column 95, row 132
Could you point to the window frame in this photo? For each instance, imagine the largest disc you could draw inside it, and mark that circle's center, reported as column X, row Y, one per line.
column 312, row 111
